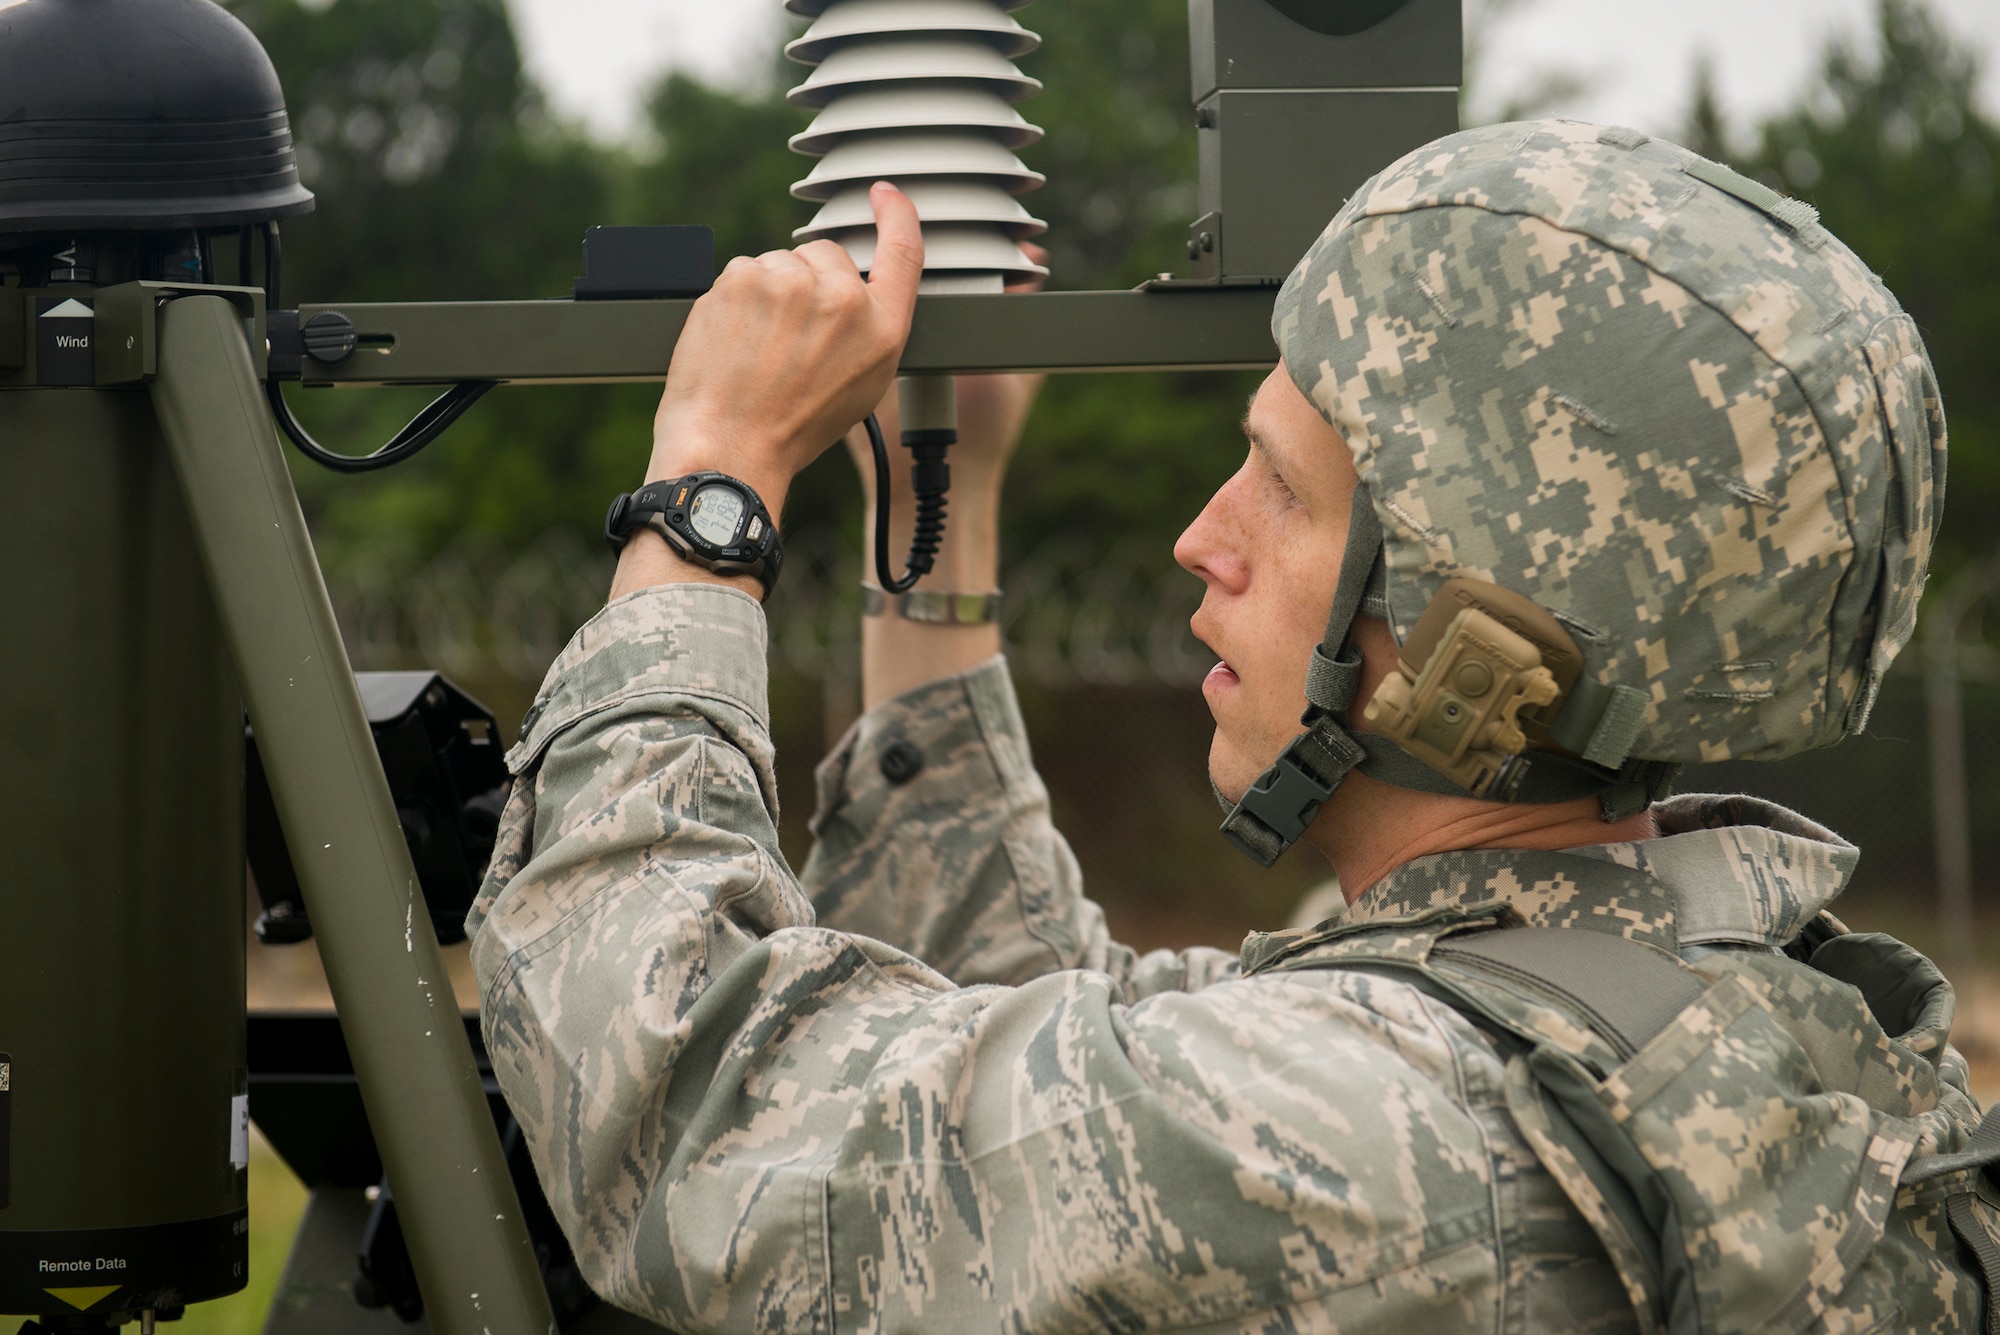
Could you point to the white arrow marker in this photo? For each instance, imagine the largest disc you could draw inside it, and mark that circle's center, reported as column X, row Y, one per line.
column 70, row 310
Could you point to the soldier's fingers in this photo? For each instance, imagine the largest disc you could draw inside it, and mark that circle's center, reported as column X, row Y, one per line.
column 899, row 252
column 781, row 263
column 1033, row 282
column 828, row 258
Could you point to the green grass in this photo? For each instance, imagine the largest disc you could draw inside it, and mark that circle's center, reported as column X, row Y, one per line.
column 277, row 1199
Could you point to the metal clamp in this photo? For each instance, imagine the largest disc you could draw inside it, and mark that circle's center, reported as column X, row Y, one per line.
column 934, row 607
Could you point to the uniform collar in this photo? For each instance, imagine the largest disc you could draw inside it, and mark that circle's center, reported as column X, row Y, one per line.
column 1723, row 869
column 1740, row 869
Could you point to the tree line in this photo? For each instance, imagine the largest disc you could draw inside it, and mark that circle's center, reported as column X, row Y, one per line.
column 442, row 174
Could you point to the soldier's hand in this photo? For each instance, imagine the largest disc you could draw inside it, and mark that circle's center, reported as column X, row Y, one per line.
column 786, row 352
column 992, row 410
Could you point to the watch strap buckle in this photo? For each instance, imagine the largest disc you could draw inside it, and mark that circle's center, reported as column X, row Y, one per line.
column 618, row 521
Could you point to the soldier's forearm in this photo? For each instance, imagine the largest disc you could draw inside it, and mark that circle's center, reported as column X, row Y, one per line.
column 899, row 655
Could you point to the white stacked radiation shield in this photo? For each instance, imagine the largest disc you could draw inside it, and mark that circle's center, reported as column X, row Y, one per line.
column 920, row 92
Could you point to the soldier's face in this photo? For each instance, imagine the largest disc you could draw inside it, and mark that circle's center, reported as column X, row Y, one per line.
column 1268, row 545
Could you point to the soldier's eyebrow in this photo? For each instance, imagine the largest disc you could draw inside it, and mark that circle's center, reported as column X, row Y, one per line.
column 1261, row 443
column 1250, row 433
column 1260, row 447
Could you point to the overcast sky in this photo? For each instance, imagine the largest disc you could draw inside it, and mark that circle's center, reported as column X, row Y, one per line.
column 596, row 56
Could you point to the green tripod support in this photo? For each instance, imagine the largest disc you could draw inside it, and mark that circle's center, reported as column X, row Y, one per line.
column 190, row 576
column 461, row 1218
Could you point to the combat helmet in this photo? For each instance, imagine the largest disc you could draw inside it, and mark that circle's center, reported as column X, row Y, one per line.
column 1650, row 470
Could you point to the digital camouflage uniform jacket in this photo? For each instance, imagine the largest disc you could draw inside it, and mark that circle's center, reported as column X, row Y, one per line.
column 920, row 1088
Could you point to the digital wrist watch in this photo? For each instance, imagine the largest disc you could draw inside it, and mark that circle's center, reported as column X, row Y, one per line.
column 711, row 519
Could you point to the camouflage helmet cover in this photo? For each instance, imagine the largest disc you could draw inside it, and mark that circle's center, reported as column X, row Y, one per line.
column 1653, row 396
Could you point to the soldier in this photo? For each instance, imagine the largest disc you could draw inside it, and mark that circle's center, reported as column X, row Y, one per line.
column 1586, row 458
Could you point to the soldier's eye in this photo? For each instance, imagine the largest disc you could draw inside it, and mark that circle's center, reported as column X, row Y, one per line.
column 1285, row 491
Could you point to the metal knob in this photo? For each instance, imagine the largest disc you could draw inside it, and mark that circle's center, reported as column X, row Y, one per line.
column 330, row 337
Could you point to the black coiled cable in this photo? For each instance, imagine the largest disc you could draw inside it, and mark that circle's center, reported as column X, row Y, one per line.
column 930, row 480
column 424, row 428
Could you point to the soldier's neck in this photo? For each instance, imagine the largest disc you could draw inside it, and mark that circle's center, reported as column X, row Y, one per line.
column 1369, row 828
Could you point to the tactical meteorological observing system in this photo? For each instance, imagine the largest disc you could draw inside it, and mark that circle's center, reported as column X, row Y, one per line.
column 180, row 703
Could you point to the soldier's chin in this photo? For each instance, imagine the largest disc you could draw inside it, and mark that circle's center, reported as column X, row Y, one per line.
column 1229, row 773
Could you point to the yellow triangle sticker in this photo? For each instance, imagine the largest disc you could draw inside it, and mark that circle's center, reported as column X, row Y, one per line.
column 84, row 1298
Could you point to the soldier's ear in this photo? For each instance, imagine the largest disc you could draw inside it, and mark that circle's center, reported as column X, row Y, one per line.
column 1377, row 643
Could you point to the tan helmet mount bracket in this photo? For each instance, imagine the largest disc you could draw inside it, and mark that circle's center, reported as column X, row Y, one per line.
column 1480, row 678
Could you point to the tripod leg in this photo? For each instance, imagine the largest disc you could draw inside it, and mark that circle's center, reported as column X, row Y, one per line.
column 415, row 1067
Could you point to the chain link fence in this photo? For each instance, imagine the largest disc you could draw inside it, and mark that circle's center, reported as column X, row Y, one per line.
column 1075, row 615
column 1106, row 667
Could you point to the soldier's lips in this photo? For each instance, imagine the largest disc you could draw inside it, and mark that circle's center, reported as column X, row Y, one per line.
column 1220, row 677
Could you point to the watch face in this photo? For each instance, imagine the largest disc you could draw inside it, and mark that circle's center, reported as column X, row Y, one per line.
column 716, row 512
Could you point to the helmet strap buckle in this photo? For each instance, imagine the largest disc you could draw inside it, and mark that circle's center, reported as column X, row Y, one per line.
column 1276, row 810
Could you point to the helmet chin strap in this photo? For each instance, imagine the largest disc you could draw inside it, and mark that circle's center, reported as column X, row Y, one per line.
column 1276, row 810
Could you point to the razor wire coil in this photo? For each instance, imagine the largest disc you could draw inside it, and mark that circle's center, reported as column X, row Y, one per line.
column 1075, row 614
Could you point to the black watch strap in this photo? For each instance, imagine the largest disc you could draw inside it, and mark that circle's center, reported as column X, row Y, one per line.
column 668, row 508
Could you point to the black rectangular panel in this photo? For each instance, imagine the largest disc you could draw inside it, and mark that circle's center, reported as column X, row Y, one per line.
column 65, row 341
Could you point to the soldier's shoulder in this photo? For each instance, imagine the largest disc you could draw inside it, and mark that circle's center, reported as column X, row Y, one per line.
column 1345, row 1035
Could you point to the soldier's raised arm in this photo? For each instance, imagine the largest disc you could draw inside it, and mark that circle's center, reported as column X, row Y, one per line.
column 933, row 831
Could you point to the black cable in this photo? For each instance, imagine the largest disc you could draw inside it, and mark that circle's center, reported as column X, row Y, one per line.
column 424, row 428
column 930, row 477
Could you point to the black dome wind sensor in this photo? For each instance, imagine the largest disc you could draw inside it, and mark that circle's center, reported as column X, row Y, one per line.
column 139, row 115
